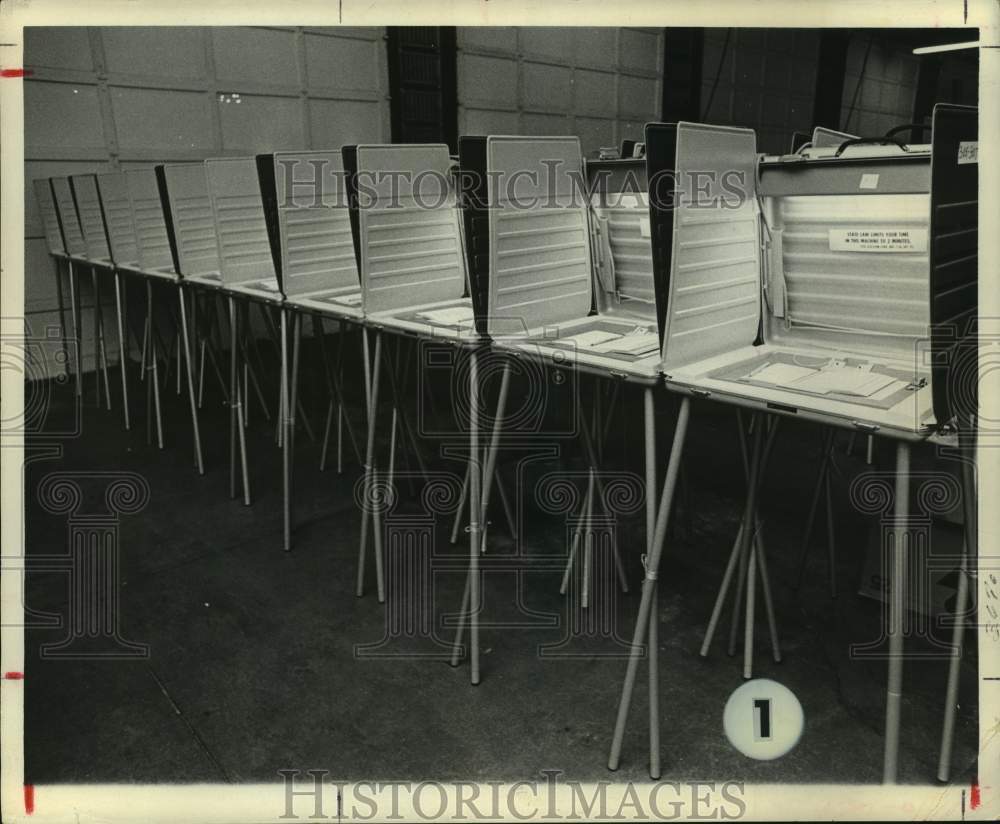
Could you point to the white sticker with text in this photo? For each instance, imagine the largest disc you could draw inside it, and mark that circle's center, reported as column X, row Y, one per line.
column 878, row 240
column 968, row 152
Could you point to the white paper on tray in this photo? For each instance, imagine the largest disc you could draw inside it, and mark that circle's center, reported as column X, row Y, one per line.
column 842, row 380
column 846, row 380
column 458, row 315
column 589, row 340
column 349, row 300
column 634, row 344
column 781, row 374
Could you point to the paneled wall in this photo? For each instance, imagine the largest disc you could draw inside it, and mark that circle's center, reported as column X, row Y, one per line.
column 879, row 86
column 600, row 84
column 102, row 98
column 764, row 79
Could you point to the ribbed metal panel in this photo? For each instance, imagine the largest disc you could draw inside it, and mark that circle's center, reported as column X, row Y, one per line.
column 50, row 220
column 314, row 222
column 714, row 303
column 540, row 255
column 244, row 248
column 88, row 204
column 72, row 234
column 194, row 225
column 113, row 189
column 150, row 224
column 954, row 274
column 880, row 293
column 828, row 138
column 626, row 216
column 539, row 247
column 411, row 250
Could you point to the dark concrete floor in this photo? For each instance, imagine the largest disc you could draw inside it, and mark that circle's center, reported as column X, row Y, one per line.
column 255, row 662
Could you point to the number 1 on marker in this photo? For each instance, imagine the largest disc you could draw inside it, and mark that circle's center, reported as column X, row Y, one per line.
column 761, row 719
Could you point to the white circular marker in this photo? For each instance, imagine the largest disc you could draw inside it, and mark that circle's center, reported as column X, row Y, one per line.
column 763, row 719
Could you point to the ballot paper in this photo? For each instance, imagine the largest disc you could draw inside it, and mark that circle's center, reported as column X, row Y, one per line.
column 266, row 285
column 449, row 316
column 639, row 343
column 348, row 300
column 844, row 380
column 839, row 379
column 781, row 374
column 588, row 340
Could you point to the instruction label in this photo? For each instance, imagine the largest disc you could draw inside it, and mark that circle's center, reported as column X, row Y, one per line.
column 878, row 240
column 968, row 152
column 644, row 227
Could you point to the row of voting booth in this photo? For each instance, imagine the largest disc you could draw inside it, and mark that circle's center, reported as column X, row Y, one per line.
column 836, row 284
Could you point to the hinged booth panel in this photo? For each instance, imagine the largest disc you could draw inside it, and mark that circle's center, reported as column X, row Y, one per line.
column 539, row 244
column 713, row 303
column 245, row 253
column 68, row 219
column 621, row 238
column 954, row 247
column 150, row 223
column 410, row 237
column 305, row 196
column 191, row 213
column 474, row 195
column 50, row 218
column 88, row 204
column 113, row 189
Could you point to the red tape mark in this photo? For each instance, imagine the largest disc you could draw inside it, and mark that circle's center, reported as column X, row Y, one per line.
column 16, row 72
column 13, row 676
column 974, row 799
column 29, row 798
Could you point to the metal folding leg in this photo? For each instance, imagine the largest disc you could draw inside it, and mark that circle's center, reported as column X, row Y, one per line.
column 100, row 349
column 237, row 393
column 748, row 551
column 372, row 373
column 62, row 314
column 969, row 550
column 649, row 425
column 474, row 523
column 152, row 371
column 285, row 417
column 594, row 486
column 185, row 349
column 335, row 387
column 74, row 300
column 490, row 472
column 649, row 581
column 122, row 347
column 897, row 608
column 822, row 488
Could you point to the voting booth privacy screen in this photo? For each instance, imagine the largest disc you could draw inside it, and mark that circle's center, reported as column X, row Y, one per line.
column 833, row 283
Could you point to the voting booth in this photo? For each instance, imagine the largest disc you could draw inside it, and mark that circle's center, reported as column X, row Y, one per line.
column 411, row 257
column 306, row 206
column 113, row 190
column 409, row 239
column 73, row 241
column 185, row 190
column 868, row 279
column 246, row 259
column 88, row 205
column 835, row 284
column 561, row 273
column 304, row 196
